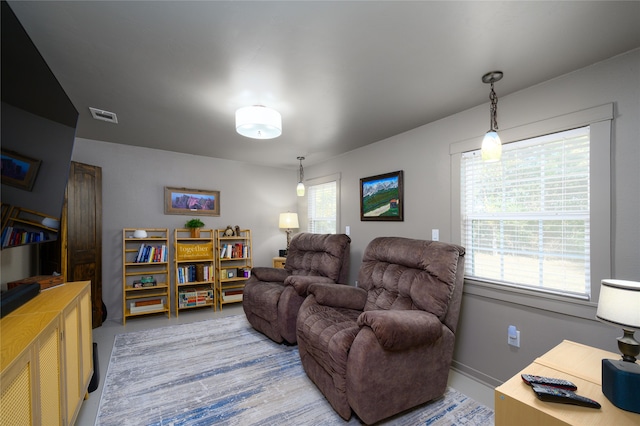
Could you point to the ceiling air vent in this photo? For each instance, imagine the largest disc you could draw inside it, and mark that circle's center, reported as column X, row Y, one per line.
column 103, row 115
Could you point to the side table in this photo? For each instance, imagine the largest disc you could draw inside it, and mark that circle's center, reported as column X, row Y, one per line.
column 515, row 402
column 278, row 262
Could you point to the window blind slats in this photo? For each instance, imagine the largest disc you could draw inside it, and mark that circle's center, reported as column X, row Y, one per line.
column 322, row 208
column 526, row 218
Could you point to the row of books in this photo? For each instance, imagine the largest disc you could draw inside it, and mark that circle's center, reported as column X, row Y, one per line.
column 194, row 273
column 146, row 305
column 149, row 254
column 13, row 237
column 234, row 251
column 198, row 296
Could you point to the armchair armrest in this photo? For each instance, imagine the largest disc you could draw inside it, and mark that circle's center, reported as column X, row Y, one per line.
column 339, row 295
column 301, row 283
column 267, row 274
column 399, row 330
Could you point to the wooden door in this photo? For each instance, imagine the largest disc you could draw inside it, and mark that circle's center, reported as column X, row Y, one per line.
column 84, row 232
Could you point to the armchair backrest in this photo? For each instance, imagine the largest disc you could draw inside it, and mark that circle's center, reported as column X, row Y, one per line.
column 325, row 255
column 404, row 273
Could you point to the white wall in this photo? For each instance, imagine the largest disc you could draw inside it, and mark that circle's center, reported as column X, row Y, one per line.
column 133, row 181
column 423, row 154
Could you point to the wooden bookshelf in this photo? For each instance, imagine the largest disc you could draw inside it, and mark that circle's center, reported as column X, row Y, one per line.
column 233, row 259
column 145, row 273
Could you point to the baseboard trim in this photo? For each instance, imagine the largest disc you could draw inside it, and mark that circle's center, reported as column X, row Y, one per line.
column 473, row 374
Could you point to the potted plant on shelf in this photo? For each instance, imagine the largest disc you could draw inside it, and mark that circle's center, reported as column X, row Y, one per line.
column 194, row 225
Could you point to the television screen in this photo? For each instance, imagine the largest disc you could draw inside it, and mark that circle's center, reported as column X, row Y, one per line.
column 38, row 125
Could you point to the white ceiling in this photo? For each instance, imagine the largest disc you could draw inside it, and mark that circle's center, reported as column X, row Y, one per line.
column 342, row 74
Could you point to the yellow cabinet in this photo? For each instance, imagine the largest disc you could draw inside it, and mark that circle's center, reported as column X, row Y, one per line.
column 46, row 357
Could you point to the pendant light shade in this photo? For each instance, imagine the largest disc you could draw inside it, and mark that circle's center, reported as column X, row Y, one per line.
column 491, row 147
column 300, row 187
column 258, row 122
column 491, row 144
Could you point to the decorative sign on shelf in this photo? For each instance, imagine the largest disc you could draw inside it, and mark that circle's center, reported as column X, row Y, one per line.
column 194, row 251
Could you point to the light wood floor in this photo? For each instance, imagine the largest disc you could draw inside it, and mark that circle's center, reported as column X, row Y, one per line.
column 105, row 336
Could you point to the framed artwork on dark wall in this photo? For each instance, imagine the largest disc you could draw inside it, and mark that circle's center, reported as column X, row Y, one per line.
column 382, row 197
column 191, row 201
column 19, row 170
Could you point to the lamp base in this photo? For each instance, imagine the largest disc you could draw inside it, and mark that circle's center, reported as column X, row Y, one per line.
column 620, row 384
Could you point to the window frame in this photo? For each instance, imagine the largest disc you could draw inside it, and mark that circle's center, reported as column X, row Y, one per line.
column 600, row 120
column 303, row 202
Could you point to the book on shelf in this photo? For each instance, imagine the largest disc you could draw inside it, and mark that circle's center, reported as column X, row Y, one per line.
column 146, row 305
column 234, row 251
column 147, row 302
column 193, row 273
column 15, row 236
column 232, row 295
column 151, row 254
column 197, row 296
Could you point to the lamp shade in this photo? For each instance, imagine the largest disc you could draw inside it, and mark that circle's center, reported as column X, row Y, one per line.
column 289, row 220
column 258, row 122
column 619, row 303
column 491, row 146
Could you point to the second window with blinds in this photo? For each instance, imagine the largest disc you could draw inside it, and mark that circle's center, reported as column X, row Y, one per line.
column 323, row 195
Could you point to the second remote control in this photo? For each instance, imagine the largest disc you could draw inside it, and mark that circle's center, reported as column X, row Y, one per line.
column 531, row 380
column 551, row 394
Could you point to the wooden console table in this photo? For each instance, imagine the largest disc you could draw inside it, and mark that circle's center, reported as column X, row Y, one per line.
column 515, row 402
column 46, row 360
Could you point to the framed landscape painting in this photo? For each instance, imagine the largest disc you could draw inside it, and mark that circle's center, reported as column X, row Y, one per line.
column 382, row 197
column 19, row 170
column 191, row 201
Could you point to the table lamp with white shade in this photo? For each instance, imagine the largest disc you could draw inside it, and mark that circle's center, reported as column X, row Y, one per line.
column 619, row 305
column 288, row 221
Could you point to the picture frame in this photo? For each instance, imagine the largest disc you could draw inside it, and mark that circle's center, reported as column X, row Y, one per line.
column 382, row 197
column 19, row 170
column 192, row 202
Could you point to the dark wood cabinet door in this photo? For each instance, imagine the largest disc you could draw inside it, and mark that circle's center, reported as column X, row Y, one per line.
column 84, row 231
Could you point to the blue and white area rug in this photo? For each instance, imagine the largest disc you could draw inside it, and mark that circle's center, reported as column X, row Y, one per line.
column 223, row 372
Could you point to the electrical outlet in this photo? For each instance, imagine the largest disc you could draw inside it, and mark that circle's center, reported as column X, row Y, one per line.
column 347, row 230
column 435, row 235
column 513, row 336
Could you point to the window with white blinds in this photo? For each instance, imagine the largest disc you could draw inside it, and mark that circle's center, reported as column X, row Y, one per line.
column 322, row 211
column 526, row 219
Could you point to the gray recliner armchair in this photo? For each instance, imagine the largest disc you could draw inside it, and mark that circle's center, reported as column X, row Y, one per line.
column 387, row 345
column 270, row 300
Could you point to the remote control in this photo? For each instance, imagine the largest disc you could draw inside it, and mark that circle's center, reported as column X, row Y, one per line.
column 531, row 380
column 551, row 394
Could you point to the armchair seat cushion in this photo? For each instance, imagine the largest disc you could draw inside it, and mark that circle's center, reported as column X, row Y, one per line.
column 261, row 302
column 329, row 334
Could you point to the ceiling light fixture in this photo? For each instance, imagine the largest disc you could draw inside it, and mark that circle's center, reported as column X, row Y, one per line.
column 300, row 187
column 258, row 122
column 491, row 144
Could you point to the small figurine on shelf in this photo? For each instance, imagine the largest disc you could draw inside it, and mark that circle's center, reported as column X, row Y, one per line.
column 195, row 225
column 229, row 231
column 237, row 231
